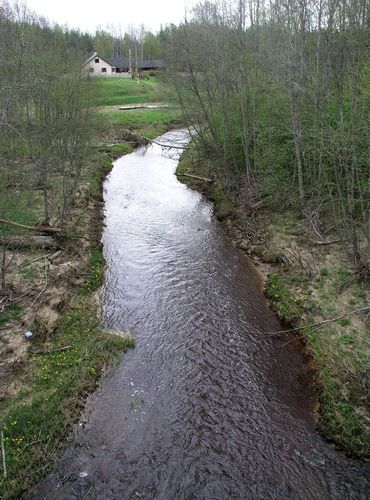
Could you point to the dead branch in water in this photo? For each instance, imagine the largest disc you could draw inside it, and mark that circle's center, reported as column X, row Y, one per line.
column 204, row 179
column 321, row 323
column 41, row 229
column 169, row 146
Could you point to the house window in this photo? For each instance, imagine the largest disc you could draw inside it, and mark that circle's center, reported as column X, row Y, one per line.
column 97, row 60
column 91, row 70
column 104, row 70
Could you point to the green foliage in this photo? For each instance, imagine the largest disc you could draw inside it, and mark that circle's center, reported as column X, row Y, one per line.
column 36, row 424
column 119, row 149
column 96, row 266
column 288, row 307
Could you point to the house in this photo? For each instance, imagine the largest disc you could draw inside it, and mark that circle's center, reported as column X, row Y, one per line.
column 117, row 66
column 150, row 65
column 96, row 65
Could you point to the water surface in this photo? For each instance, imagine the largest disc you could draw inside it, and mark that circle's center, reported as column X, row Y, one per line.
column 208, row 406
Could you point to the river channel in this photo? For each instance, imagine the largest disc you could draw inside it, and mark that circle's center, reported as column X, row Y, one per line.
column 208, row 405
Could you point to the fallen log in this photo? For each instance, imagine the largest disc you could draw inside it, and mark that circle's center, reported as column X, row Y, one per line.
column 323, row 243
column 168, row 146
column 43, row 242
column 204, row 179
column 39, row 229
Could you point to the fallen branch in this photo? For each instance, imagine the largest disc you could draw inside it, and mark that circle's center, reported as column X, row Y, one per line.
column 41, row 229
column 256, row 205
column 321, row 323
column 322, row 243
column 152, row 141
column 45, row 285
column 204, row 179
column 25, row 264
column 36, row 241
column 3, row 453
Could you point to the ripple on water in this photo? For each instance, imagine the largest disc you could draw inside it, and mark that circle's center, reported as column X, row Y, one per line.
column 207, row 405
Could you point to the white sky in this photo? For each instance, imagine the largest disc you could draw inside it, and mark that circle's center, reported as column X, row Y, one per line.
column 89, row 14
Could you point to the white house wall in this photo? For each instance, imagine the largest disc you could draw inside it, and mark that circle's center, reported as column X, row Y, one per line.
column 97, row 67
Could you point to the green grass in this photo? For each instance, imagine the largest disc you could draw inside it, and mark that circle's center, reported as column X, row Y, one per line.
column 56, row 385
column 11, row 312
column 113, row 92
column 17, row 205
column 288, row 307
column 120, row 91
column 139, row 117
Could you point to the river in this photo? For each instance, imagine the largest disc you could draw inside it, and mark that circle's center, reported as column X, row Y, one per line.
column 208, row 405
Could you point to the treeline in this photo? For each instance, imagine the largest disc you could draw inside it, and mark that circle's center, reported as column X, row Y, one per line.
column 45, row 119
column 113, row 42
column 278, row 92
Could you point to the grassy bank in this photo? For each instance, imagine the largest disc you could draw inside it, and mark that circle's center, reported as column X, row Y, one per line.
column 306, row 285
column 60, row 370
column 123, row 91
column 46, row 380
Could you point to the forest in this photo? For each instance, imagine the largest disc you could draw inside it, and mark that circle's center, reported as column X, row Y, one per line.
column 278, row 94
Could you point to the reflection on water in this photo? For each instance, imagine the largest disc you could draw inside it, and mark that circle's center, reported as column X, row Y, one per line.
column 207, row 406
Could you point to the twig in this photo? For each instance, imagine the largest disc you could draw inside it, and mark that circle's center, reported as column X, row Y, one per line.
column 88, row 492
column 256, row 205
column 25, row 264
column 321, row 323
column 322, row 243
column 45, row 285
column 204, row 179
column 53, row 350
column 3, row 453
column 41, row 229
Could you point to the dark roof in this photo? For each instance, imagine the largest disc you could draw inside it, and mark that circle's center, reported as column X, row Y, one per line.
column 123, row 62
column 119, row 62
column 151, row 64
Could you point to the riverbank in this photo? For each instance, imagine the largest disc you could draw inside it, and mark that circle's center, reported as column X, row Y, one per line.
column 306, row 284
column 55, row 294
column 47, row 378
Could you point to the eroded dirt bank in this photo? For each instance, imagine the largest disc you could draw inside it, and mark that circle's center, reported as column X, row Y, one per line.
column 208, row 405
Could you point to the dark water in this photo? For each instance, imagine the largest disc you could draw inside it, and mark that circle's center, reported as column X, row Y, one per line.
column 207, row 406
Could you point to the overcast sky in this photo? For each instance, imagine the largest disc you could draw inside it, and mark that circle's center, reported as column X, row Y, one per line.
column 87, row 14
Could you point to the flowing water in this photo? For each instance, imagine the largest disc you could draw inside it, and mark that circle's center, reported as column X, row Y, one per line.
column 208, row 406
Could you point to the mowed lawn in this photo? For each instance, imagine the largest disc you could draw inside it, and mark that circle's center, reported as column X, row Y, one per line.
column 120, row 91
column 111, row 93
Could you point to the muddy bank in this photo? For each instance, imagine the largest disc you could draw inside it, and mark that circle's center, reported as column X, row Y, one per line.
column 208, row 405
